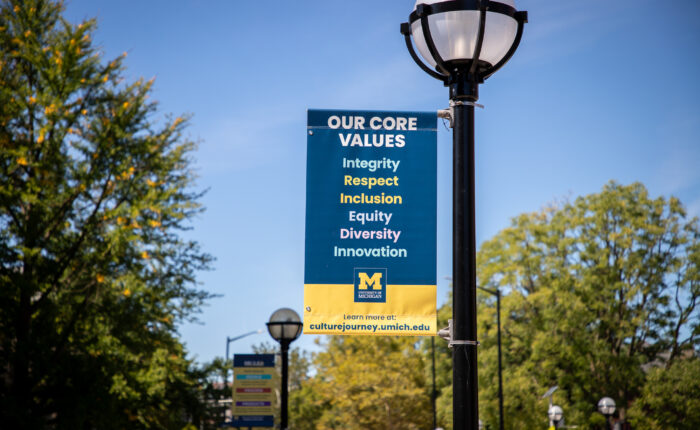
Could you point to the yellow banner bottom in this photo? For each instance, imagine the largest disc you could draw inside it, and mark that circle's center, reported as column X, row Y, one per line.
column 410, row 310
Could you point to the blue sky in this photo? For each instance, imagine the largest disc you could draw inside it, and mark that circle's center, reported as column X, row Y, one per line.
column 598, row 91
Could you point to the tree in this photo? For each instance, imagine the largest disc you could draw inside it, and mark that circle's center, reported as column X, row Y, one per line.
column 670, row 398
column 94, row 276
column 214, row 393
column 371, row 383
column 596, row 288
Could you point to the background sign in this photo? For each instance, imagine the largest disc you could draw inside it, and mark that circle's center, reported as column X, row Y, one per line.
column 253, row 390
column 371, row 208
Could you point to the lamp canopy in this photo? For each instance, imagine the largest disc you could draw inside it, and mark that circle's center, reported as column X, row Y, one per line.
column 284, row 325
column 606, row 406
column 463, row 36
column 555, row 413
column 456, row 32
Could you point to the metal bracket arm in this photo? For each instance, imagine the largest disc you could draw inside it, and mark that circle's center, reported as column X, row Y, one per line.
column 447, row 334
column 448, row 113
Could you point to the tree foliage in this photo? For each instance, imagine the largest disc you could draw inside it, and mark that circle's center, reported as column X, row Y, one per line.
column 670, row 398
column 597, row 289
column 94, row 274
column 370, row 383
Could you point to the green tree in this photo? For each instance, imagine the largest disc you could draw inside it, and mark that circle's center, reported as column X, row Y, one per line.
column 670, row 398
column 214, row 392
column 371, row 383
column 596, row 289
column 94, row 274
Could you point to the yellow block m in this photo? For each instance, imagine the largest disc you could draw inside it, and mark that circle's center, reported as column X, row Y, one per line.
column 375, row 281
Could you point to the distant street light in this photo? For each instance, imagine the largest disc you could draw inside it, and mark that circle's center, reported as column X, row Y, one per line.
column 606, row 406
column 284, row 326
column 548, row 395
column 464, row 42
column 497, row 293
column 233, row 339
column 555, row 413
column 433, row 393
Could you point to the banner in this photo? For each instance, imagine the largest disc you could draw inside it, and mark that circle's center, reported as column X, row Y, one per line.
column 254, row 383
column 371, row 209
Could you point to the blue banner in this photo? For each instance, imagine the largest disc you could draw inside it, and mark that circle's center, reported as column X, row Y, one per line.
column 371, row 218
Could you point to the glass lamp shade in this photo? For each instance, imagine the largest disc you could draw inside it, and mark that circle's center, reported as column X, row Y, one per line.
column 555, row 413
column 455, row 34
column 284, row 324
column 606, row 406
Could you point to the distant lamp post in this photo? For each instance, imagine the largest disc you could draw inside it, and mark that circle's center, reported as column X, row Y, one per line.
column 433, row 393
column 233, row 339
column 555, row 413
column 464, row 42
column 606, row 406
column 497, row 293
column 284, row 326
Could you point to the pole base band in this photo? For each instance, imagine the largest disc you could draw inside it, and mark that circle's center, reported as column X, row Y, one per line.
column 464, row 342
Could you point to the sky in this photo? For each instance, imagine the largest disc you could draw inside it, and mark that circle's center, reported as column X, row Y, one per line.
column 597, row 91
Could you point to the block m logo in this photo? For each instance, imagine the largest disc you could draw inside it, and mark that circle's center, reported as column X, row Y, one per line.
column 375, row 281
column 370, row 285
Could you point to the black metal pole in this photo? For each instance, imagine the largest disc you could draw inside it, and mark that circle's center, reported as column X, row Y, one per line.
column 227, row 364
column 464, row 359
column 497, row 293
column 433, row 394
column 500, row 366
column 228, row 342
column 285, row 386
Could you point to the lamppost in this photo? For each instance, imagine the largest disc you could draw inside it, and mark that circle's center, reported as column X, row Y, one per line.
column 284, row 326
column 465, row 42
column 555, row 414
column 233, row 339
column 433, row 393
column 228, row 363
column 606, row 406
column 497, row 293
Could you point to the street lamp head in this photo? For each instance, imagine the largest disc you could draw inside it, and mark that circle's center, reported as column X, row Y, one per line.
column 555, row 413
column 463, row 39
column 606, row 406
column 285, row 325
column 454, row 31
